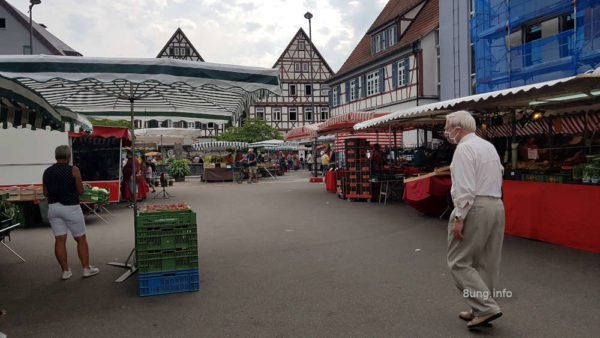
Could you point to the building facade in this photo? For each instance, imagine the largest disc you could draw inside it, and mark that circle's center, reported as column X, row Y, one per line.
column 14, row 35
column 303, row 72
column 514, row 43
column 395, row 65
column 180, row 47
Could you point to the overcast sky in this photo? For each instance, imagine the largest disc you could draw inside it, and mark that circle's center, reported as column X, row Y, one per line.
column 243, row 32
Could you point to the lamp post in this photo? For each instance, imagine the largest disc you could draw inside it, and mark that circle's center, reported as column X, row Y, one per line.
column 309, row 16
column 31, row 4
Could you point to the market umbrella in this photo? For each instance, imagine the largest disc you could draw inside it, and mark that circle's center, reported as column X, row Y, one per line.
column 116, row 85
column 219, row 145
column 266, row 143
column 21, row 107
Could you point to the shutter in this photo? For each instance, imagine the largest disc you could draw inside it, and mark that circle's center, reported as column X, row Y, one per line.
column 384, row 39
column 339, row 94
column 406, row 71
column 330, row 98
column 363, row 86
column 395, row 75
column 357, row 87
column 382, row 80
column 347, row 91
column 373, row 44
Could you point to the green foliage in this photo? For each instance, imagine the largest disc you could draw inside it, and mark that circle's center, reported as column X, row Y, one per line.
column 179, row 168
column 252, row 131
column 110, row 123
column 9, row 211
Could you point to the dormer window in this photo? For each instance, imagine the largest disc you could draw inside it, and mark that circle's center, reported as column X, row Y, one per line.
column 384, row 38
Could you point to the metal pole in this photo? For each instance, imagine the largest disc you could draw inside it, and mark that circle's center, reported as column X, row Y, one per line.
column 309, row 16
column 30, row 29
column 133, row 163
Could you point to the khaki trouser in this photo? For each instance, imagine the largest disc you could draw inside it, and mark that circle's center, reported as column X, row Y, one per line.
column 474, row 261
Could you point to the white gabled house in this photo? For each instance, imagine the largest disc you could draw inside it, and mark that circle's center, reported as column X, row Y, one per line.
column 396, row 63
column 295, row 108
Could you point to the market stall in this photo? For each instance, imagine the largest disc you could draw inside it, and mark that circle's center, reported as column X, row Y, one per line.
column 548, row 137
column 218, row 168
column 98, row 155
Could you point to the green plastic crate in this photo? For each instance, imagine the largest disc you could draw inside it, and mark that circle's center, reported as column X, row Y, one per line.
column 166, row 260
column 164, row 237
column 149, row 219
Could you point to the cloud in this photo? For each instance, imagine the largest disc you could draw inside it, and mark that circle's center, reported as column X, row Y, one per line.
column 244, row 32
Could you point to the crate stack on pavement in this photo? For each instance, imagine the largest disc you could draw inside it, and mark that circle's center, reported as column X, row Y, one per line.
column 166, row 243
column 358, row 170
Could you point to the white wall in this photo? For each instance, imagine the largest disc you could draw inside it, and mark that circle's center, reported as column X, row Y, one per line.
column 25, row 154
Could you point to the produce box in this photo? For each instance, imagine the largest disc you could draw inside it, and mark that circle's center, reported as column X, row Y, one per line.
column 167, row 260
column 165, row 214
column 163, row 237
column 160, row 283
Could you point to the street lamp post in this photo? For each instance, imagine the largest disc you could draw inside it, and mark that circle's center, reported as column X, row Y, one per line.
column 31, row 4
column 309, row 16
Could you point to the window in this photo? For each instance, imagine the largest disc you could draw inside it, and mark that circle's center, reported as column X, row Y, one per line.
column 308, row 90
column 308, row 114
column 324, row 113
column 372, row 83
column 533, row 32
column 384, row 39
column 260, row 113
column 403, row 73
column 293, row 114
column 301, row 45
column 297, row 67
column 334, row 97
column 353, row 89
column 187, row 51
column 2, row 22
column 276, row 114
column 166, row 124
column 176, row 51
column 137, row 124
column 198, row 125
column 211, row 125
column 293, row 90
column 191, row 125
column 152, row 124
column 305, row 66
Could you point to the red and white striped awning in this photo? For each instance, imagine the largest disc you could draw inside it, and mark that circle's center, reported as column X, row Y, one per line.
column 383, row 139
column 566, row 124
column 346, row 122
column 306, row 132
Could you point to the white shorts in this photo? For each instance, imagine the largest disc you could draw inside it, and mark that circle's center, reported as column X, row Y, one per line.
column 66, row 217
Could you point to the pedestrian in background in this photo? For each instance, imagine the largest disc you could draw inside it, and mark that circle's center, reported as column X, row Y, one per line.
column 476, row 226
column 62, row 186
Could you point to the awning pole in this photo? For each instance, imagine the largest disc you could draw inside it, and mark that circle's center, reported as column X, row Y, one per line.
column 587, row 144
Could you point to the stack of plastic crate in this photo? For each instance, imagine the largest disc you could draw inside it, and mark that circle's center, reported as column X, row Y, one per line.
column 166, row 245
column 358, row 170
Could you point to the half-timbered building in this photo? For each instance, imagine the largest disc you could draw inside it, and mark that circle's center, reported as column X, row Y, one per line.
column 180, row 47
column 396, row 63
column 303, row 72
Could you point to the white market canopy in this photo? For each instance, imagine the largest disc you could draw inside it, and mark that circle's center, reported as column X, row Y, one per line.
column 266, row 143
column 566, row 94
column 219, row 145
column 285, row 146
column 22, row 107
column 159, row 87
column 168, row 136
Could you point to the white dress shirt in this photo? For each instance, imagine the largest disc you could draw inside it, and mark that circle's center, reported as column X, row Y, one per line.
column 476, row 171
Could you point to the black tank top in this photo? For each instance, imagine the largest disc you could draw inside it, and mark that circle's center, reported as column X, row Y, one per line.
column 60, row 184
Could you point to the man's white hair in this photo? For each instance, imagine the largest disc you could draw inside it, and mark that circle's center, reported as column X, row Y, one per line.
column 461, row 119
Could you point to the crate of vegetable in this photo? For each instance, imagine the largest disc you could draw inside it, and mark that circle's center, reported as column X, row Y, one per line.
column 165, row 214
column 159, row 237
column 94, row 194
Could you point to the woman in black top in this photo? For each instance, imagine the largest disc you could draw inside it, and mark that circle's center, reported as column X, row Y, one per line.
column 62, row 187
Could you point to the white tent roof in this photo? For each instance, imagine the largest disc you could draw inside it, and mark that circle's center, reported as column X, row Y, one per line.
column 267, row 143
column 219, row 145
column 105, row 86
column 539, row 95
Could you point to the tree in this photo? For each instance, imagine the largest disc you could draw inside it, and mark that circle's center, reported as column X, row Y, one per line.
column 110, row 123
column 252, row 131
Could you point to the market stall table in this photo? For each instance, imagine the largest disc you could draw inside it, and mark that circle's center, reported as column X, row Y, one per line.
column 429, row 194
column 563, row 214
column 218, row 174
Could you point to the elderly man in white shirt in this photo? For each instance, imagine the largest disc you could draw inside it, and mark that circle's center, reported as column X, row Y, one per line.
column 476, row 227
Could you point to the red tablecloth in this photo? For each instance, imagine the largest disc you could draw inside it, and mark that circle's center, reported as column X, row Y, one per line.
column 429, row 195
column 331, row 180
column 564, row 214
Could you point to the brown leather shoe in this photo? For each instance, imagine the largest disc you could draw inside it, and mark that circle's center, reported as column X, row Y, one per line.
column 466, row 315
column 483, row 320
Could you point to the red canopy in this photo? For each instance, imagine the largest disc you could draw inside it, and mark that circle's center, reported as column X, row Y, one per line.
column 107, row 132
column 344, row 123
